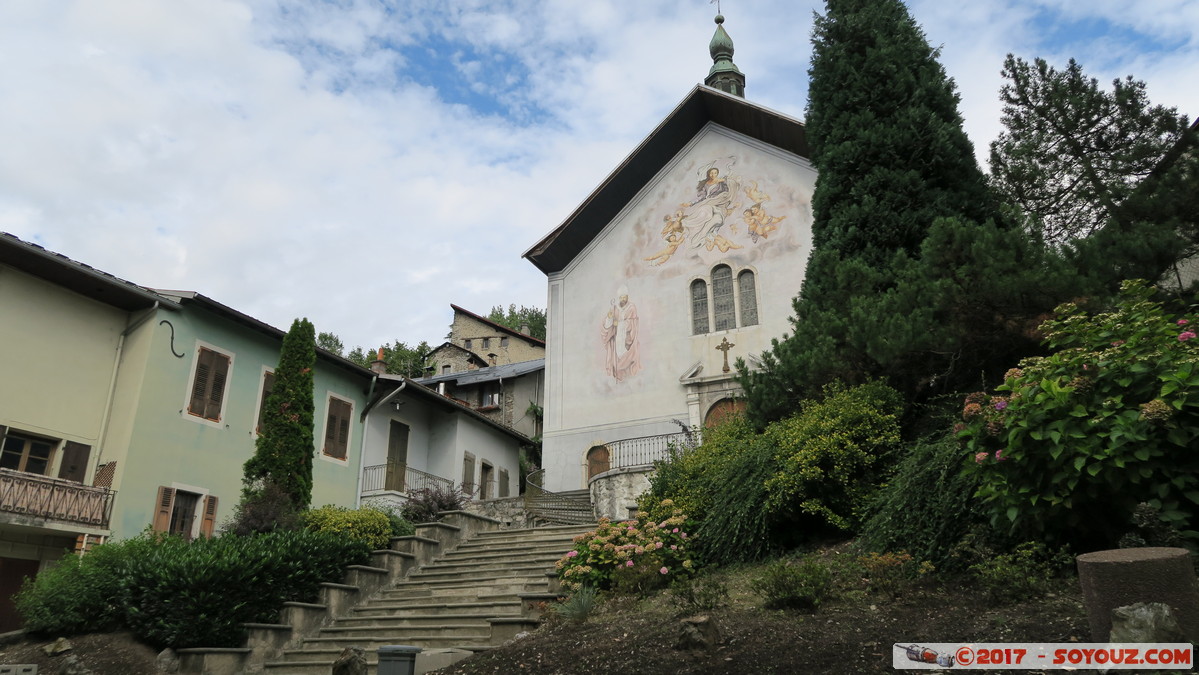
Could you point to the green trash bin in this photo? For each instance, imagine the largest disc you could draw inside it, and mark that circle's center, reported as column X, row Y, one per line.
column 397, row 660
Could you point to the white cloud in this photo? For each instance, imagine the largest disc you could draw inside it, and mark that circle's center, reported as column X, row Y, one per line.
column 292, row 158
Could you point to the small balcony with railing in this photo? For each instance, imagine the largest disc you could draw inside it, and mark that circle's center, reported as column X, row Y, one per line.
column 632, row 453
column 35, row 500
column 399, row 478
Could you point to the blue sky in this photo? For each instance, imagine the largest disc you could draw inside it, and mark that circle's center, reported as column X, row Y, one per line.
column 367, row 163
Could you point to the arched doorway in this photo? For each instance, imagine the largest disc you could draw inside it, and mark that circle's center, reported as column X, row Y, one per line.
column 597, row 461
column 722, row 410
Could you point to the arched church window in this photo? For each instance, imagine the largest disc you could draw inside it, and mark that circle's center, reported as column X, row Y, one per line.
column 749, row 298
column 724, row 310
column 722, row 410
column 699, row 307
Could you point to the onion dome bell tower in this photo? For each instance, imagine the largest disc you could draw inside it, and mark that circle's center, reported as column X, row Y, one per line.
column 724, row 74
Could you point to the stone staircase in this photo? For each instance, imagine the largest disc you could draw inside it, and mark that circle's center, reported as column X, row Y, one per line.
column 571, row 507
column 471, row 598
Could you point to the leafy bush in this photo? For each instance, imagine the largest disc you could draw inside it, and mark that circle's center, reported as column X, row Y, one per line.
column 700, row 594
column 890, row 573
column 634, row 555
column 927, row 506
column 173, row 593
column 829, row 454
column 367, row 525
column 399, row 526
column 80, row 594
column 1075, row 440
column 1022, row 574
column 425, row 505
column 265, row 507
column 800, row 585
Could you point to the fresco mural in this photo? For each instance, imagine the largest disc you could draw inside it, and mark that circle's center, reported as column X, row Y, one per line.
column 622, row 353
column 704, row 221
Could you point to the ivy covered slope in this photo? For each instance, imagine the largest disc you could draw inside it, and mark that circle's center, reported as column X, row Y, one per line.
column 1072, row 442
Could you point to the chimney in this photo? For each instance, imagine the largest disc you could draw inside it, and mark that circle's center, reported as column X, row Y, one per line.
column 379, row 366
column 524, row 329
column 491, row 359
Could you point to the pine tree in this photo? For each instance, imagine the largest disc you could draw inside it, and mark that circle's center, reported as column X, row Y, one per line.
column 284, row 448
column 881, row 298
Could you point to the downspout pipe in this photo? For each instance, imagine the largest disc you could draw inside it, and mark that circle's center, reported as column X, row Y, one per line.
column 365, row 429
column 102, row 439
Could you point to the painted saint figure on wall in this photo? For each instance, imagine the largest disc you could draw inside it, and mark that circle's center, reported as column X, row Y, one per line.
column 622, row 354
column 713, row 203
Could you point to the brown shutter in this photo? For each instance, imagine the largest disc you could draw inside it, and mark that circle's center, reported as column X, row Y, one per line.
column 220, row 371
column 209, row 523
column 74, row 461
column 504, row 490
column 162, row 509
column 268, row 385
column 337, row 428
column 200, row 382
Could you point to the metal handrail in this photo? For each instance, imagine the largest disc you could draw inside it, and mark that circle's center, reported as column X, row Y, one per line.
column 374, row 479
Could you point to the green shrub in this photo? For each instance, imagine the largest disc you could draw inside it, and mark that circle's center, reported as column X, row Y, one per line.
column 800, row 585
column 890, row 573
column 578, row 607
column 80, row 594
column 700, row 594
column 1075, row 440
column 1023, row 574
column 197, row 594
column 265, row 507
column 927, row 505
column 399, row 526
column 635, row 555
column 425, row 505
column 367, row 525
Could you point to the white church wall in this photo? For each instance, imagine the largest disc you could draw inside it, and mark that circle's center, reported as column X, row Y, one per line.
column 620, row 325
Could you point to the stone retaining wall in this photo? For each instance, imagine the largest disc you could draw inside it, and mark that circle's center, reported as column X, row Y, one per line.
column 614, row 493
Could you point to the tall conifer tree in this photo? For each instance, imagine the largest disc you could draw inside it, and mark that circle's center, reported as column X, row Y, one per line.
column 887, row 140
column 284, row 448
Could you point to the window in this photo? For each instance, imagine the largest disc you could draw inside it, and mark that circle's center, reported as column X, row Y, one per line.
column 445, row 369
column 732, row 304
column 268, row 384
column 489, row 395
column 723, row 308
column 699, row 307
column 466, row 343
column 749, row 298
column 337, row 428
column 486, row 343
column 27, row 453
column 397, row 456
column 503, row 343
column 208, row 384
column 504, row 489
column 176, row 512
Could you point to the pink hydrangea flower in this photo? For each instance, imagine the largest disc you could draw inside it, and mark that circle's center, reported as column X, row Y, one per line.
column 999, row 455
column 675, row 530
column 658, row 544
column 572, row 554
column 1000, row 405
column 674, row 547
column 1183, row 322
column 629, row 564
column 979, row 457
column 664, row 571
column 1185, row 335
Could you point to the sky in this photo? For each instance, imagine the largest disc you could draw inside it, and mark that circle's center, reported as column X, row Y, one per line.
column 365, row 163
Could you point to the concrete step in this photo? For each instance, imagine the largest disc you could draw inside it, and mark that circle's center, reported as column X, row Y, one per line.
column 458, row 592
column 331, row 647
column 388, row 632
column 402, row 620
column 478, row 608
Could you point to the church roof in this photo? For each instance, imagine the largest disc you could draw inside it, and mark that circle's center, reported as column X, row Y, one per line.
column 702, row 105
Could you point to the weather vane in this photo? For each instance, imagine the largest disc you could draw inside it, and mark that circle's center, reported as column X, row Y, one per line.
column 717, row 3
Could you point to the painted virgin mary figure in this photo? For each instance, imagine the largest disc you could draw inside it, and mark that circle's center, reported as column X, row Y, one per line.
column 713, row 202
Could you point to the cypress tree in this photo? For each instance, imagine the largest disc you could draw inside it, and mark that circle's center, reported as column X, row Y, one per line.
column 893, row 161
column 284, row 448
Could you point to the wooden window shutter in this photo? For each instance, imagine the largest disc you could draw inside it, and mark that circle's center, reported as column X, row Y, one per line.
column 268, row 385
column 200, row 382
column 162, row 509
column 220, row 371
column 74, row 461
column 504, row 483
column 208, row 388
column 209, row 523
column 337, row 428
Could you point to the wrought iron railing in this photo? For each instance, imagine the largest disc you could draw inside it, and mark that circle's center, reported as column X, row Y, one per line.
column 376, row 478
column 55, row 499
column 645, row 450
column 552, row 507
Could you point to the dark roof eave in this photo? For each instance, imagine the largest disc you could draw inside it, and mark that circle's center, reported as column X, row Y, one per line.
column 702, row 105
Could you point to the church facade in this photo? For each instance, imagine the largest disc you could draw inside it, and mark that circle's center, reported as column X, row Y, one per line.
column 687, row 257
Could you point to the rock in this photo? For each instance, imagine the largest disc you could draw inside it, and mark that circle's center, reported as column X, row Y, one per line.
column 1145, row 622
column 72, row 666
column 167, row 661
column 698, row 632
column 59, row 646
column 351, row 662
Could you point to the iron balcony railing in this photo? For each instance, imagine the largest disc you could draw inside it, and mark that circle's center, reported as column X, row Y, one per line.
column 401, row 479
column 66, row 501
column 646, row 450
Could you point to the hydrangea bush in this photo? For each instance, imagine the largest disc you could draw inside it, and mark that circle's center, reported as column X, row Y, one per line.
column 1071, row 442
column 654, row 546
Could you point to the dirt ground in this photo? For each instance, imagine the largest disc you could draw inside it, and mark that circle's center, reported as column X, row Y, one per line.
column 847, row 637
column 638, row 637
